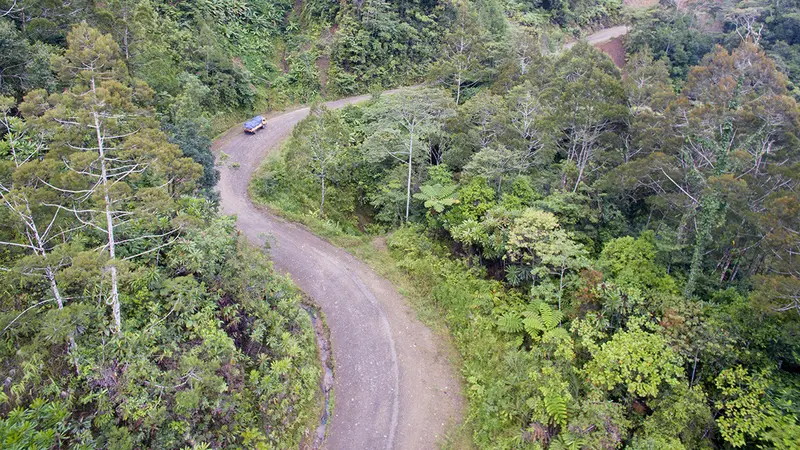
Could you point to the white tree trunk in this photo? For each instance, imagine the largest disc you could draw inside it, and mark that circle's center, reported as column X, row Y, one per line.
column 112, row 265
column 458, row 88
column 73, row 346
column 50, row 275
column 322, row 201
column 410, row 154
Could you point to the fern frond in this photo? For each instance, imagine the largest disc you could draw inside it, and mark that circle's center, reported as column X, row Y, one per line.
column 558, row 316
column 555, row 404
column 556, row 335
column 568, row 441
column 534, row 325
column 509, row 322
column 550, row 316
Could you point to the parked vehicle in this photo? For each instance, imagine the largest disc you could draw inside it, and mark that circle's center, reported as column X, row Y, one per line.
column 254, row 124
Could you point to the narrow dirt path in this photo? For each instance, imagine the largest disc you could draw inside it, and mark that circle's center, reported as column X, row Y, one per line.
column 394, row 386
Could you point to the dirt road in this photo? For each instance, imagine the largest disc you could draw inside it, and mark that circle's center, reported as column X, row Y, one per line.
column 603, row 35
column 394, row 386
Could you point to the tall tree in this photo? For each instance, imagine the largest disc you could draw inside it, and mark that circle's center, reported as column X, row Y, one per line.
column 715, row 156
column 496, row 163
column 23, row 65
column 325, row 137
column 526, row 131
column 32, row 206
column 478, row 124
column 536, row 239
column 404, row 120
column 106, row 140
column 461, row 63
column 589, row 101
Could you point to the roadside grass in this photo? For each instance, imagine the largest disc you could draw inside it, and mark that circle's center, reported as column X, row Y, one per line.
column 371, row 249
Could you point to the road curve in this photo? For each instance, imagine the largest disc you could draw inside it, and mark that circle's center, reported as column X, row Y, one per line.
column 394, row 387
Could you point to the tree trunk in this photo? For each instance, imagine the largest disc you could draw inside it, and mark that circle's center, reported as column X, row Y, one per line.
column 696, row 265
column 322, row 201
column 50, row 275
column 112, row 251
column 582, row 160
column 410, row 154
column 458, row 89
column 125, row 41
column 73, row 346
column 708, row 212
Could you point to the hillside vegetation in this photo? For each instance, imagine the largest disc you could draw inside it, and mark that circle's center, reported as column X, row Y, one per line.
column 132, row 315
column 614, row 252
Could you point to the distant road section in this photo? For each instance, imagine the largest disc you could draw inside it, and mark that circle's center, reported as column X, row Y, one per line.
column 603, row 35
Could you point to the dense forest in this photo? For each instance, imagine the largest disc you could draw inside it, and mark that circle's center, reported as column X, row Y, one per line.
column 613, row 251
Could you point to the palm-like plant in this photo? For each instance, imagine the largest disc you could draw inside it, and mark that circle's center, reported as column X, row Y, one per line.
column 437, row 196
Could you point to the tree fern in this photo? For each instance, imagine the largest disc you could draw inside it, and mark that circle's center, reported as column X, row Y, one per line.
column 534, row 325
column 550, row 316
column 437, row 196
column 541, row 318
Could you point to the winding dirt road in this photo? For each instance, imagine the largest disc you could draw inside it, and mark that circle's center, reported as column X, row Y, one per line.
column 394, row 386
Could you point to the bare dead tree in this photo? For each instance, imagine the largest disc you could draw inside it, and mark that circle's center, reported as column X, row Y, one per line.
column 746, row 23
column 525, row 111
column 11, row 9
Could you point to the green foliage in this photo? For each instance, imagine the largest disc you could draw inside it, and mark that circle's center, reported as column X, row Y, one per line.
column 638, row 362
column 741, row 403
column 541, row 319
column 613, row 255
column 25, row 65
column 463, row 62
column 556, row 406
column 475, row 199
column 631, row 263
column 569, row 13
column 187, row 135
column 598, row 270
column 675, row 35
column 680, row 418
column 383, row 43
column 37, row 426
